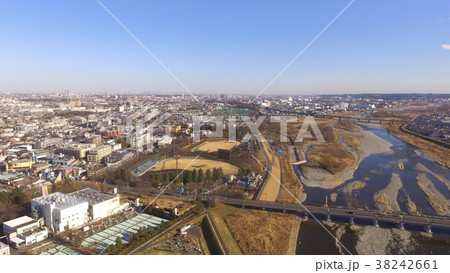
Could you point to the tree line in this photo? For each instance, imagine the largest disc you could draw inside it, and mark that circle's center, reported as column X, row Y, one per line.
column 16, row 196
column 194, row 176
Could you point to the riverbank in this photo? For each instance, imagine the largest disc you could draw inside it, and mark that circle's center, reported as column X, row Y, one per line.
column 386, row 199
column 369, row 143
column 438, row 153
column 435, row 199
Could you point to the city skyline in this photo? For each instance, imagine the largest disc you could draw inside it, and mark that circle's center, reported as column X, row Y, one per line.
column 237, row 47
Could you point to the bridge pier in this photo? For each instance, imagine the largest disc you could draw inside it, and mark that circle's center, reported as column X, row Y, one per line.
column 305, row 216
column 264, row 206
column 427, row 228
column 328, row 217
column 375, row 223
column 401, row 225
column 284, row 208
column 352, row 220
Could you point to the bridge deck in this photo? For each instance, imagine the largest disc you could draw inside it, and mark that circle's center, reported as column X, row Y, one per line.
column 422, row 220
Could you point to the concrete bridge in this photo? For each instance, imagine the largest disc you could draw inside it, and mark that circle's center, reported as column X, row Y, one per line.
column 343, row 214
column 339, row 214
column 375, row 120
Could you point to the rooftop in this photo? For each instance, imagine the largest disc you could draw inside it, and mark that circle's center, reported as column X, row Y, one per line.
column 92, row 196
column 99, row 148
column 8, row 176
column 61, row 200
column 19, row 221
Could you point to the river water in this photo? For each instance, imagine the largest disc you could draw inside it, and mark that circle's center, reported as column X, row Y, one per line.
column 376, row 171
column 314, row 240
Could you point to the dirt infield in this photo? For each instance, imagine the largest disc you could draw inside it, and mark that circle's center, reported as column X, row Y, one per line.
column 199, row 163
column 213, row 145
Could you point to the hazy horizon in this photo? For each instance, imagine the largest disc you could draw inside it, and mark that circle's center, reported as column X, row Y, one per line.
column 216, row 47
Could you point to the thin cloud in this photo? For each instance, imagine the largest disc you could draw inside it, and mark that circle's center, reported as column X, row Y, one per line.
column 446, row 46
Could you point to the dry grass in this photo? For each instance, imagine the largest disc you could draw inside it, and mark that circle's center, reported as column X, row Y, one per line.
column 214, row 145
column 392, row 115
column 436, row 200
column 347, row 114
column 383, row 200
column 290, row 181
column 160, row 252
column 348, row 125
column 161, row 202
column 412, row 208
column 332, row 157
column 437, row 152
column 255, row 166
column 349, row 139
column 259, row 213
column 166, row 203
column 272, row 186
column 294, row 128
column 199, row 163
column 218, row 214
column 268, row 235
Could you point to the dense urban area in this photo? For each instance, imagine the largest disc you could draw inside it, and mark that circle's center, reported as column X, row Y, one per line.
column 151, row 174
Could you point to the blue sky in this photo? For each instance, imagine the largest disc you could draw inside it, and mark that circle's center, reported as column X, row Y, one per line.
column 223, row 46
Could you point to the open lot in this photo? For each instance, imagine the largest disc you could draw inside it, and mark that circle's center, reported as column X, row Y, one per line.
column 199, row 163
column 264, row 233
column 254, row 231
column 213, row 145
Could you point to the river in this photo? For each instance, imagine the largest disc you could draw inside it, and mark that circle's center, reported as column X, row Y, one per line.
column 376, row 170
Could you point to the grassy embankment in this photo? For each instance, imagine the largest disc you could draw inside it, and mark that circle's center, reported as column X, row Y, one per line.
column 437, row 150
column 264, row 233
column 256, row 232
column 290, row 181
column 217, row 215
column 272, row 186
